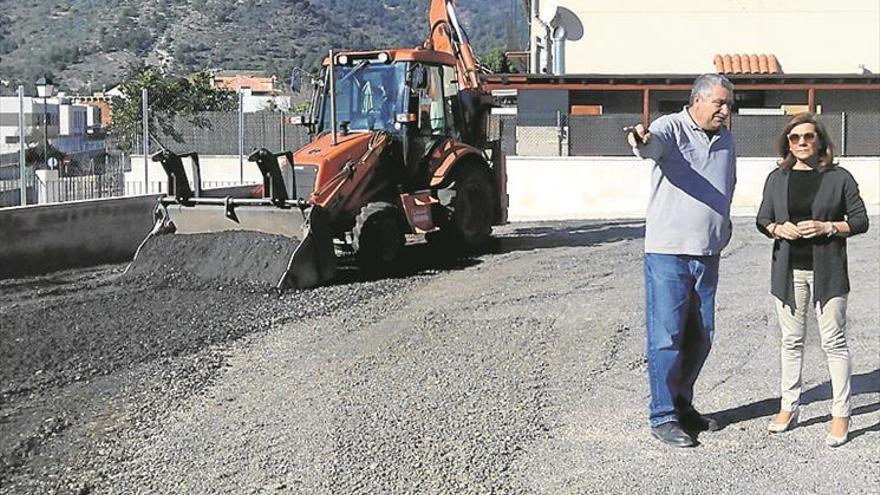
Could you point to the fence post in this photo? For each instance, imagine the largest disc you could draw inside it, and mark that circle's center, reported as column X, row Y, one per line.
column 283, row 118
column 842, row 133
column 22, row 169
column 240, row 137
column 146, row 135
column 558, row 133
column 501, row 133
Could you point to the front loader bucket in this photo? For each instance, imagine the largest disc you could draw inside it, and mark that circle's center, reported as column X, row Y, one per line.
column 224, row 236
column 228, row 241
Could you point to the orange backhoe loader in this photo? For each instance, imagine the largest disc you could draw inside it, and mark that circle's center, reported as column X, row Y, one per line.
column 399, row 146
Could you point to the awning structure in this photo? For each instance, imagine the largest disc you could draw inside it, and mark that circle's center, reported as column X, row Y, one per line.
column 747, row 64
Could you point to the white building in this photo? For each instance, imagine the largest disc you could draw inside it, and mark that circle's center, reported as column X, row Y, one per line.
column 262, row 102
column 70, row 127
column 34, row 114
column 684, row 36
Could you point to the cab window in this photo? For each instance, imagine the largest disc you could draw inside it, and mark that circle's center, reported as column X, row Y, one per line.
column 450, row 94
column 432, row 108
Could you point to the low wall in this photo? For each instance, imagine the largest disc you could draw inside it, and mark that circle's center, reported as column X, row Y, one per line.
column 569, row 188
column 37, row 239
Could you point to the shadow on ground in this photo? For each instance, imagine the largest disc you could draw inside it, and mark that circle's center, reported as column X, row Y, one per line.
column 416, row 259
column 423, row 258
column 569, row 235
column 865, row 383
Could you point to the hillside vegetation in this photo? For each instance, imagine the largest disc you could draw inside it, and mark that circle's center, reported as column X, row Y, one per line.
column 88, row 44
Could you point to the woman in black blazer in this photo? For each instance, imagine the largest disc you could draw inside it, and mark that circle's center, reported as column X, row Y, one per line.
column 810, row 207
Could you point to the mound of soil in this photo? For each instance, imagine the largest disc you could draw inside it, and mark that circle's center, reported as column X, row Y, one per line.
column 249, row 259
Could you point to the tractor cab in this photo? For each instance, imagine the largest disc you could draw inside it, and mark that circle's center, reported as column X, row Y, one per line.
column 413, row 95
column 397, row 91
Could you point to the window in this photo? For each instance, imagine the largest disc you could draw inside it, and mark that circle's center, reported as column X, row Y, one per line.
column 368, row 96
column 450, row 94
column 432, row 107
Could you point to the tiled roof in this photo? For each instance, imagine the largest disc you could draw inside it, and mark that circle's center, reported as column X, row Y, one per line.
column 747, row 64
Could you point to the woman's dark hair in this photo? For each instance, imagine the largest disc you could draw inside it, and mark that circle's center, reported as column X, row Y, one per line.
column 824, row 146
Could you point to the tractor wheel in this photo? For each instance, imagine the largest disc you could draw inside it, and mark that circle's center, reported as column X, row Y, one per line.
column 377, row 237
column 467, row 205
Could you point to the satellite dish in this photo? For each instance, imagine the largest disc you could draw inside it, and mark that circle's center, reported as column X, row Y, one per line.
column 547, row 10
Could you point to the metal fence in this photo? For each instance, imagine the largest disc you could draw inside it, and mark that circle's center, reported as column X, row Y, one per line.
column 557, row 134
column 229, row 133
column 10, row 191
column 80, row 188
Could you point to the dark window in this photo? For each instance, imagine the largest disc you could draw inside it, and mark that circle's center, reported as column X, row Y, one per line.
column 671, row 106
column 748, row 99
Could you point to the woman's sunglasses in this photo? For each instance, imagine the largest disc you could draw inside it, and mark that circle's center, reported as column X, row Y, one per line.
column 795, row 138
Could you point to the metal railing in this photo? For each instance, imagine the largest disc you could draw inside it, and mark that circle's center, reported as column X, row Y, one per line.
column 80, row 188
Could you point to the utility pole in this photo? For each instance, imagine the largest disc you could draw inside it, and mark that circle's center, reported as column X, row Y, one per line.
column 22, row 169
column 146, row 136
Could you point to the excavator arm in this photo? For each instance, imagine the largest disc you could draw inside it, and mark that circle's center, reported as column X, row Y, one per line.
column 447, row 36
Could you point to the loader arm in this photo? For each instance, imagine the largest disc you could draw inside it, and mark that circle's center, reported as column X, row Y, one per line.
column 346, row 192
column 447, row 36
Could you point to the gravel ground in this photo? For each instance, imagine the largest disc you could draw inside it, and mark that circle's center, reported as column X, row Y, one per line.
column 519, row 371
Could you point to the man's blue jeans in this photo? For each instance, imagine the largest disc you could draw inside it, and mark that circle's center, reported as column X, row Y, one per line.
column 680, row 317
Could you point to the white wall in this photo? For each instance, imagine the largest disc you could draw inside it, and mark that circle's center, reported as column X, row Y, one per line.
column 256, row 103
column 216, row 171
column 683, row 36
column 569, row 188
column 561, row 188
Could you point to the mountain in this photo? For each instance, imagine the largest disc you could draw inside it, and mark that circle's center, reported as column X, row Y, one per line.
column 88, row 44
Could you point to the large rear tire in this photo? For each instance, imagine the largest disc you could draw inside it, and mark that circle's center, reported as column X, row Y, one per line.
column 467, row 207
column 377, row 237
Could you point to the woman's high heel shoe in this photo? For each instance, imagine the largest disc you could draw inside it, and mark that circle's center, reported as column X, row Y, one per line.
column 774, row 427
column 832, row 441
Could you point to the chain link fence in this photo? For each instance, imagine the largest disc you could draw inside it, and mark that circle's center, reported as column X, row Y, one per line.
column 223, row 138
column 601, row 135
column 853, row 133
column 229, row 133
column 861, row 134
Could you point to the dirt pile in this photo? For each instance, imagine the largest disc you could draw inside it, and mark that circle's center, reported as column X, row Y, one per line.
column 248, row 259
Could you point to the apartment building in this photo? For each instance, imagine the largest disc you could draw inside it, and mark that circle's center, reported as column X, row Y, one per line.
column 71, row 128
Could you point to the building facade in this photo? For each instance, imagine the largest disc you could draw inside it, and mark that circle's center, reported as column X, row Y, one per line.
column 71, row 128
column 685, row 36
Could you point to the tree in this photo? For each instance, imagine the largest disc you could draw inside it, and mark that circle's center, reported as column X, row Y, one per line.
column 167, row 98
column 496, row 60
column 35, row 154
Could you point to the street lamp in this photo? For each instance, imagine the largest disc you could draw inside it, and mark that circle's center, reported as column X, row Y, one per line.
column 45, row 88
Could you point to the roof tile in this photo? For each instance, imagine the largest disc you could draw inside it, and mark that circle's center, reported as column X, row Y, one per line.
column 747, row 64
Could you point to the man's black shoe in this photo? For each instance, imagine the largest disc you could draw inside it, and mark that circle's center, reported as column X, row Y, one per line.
column 694, row 421
column 672, row 434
